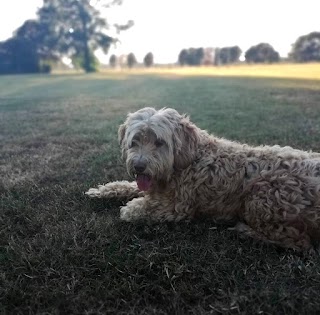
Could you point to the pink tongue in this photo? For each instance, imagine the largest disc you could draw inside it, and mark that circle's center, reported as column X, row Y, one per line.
column 144, row 182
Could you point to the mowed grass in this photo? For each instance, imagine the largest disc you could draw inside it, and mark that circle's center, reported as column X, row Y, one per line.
column 61, row 253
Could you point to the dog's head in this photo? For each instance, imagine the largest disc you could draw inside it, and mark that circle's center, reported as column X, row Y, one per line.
column 157, row 143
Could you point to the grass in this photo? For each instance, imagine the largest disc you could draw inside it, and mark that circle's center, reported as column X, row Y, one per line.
column 61, row 253
column 283, row 70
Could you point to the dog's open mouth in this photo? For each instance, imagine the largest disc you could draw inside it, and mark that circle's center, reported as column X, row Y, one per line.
column 143, row 182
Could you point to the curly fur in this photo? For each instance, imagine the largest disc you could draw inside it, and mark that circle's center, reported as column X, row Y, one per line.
column 272, row 192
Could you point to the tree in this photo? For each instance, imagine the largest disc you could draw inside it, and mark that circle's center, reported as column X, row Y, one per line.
column 224, row 55
column 131, row 61
column 39, row 35
column 18, row 55
column 229, row 55
column 148, row 59
column 113, row 61
column 78, row 60
column 77, row 29
column 209, row 56
column 27, row 51
column 235, row 53
column 195, row 56
column 182, row 58
column 262, row 53
column 191, row 57
column 306, row 48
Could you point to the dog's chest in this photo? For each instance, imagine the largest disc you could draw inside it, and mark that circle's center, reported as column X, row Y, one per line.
column 212, row 186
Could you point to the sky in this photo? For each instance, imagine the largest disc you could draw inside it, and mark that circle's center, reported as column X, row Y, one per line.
column 164, row 27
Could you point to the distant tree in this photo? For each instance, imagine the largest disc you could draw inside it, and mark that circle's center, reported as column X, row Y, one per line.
column 306, row 48
column 113, row 61
column 207, row 56
column 182, row 58
column 229, row 55
column 131, row 60
column 199, row 55
column 27, row 51
column 224, row 55
column 262, row 53
column 39, row 35
column 148, row 59
column 195, row 56
column 235, row 53
column 76, row 28
column 191, row 56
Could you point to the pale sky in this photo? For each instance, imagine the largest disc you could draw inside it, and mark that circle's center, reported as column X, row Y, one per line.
column 164, row 27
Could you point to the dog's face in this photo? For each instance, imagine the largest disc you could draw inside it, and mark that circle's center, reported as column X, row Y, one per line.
column 155, row 144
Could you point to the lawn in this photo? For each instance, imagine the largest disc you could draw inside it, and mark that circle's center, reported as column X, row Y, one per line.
column 61, row 253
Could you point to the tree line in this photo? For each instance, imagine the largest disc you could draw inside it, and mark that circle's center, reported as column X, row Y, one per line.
column 260, row 53
column 130, row 60
column 305, row 49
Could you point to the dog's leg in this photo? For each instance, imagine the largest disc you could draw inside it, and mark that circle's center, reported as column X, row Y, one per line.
column 286, row 241
column 157, row 208
column 265, row 221
column 134, row 210
column 287, row 238
column 120, row 189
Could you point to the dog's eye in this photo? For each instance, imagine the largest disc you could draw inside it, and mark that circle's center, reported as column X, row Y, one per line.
column 159, row 143
column 133, row 144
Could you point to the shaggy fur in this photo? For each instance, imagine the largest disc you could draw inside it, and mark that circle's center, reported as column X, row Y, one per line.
column 271, row 192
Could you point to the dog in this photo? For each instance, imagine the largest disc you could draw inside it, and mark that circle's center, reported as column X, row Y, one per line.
column 182, row 172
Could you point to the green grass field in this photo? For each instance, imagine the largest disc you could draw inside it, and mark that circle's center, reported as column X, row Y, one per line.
column 61, row 253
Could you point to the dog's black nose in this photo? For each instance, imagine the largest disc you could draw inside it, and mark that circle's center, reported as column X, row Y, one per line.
column 140, row 166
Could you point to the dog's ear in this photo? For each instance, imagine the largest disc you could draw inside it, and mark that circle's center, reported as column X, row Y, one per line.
column 121, row 133
column 121, row 137
column 186, row 139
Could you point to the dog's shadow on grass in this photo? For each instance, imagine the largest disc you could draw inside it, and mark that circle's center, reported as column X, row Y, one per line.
column 202, row 232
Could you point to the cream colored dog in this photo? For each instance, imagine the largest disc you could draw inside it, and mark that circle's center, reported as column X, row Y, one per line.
column 181, row 172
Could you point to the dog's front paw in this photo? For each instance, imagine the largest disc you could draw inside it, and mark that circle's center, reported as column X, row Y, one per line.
column 129, row 214
column 94, row 192
column 126, row 214
column 103, row 191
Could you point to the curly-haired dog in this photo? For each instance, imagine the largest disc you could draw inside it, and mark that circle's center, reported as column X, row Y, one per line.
column 181, row 171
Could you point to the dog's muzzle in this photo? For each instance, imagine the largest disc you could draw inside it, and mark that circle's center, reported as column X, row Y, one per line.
column 143, row 180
